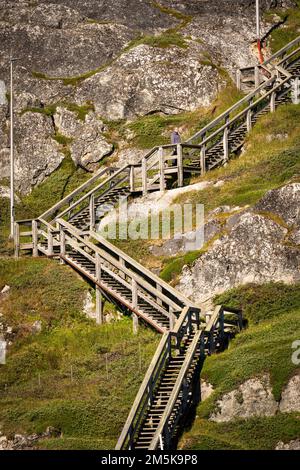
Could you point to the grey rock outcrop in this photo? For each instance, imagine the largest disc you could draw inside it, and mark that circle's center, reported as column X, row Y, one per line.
column 290, row 398
column 253, row 250
column 87, row 144
column 292, row 445
column 284, row 202
column 148, row 79
column 37, row 154
column 252, row 398
column 88, row 43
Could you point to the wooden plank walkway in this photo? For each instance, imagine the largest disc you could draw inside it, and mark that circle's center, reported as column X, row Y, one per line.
column 67, row 232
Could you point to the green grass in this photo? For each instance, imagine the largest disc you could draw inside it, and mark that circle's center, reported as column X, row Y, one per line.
column 253, row 434
column 164, row 40
column 61, row 182
column 273, row 312
column 172, row 12
column 174, row 265
column 37, row 389
column 281, row 36
column 264, row 302
column 49, row 110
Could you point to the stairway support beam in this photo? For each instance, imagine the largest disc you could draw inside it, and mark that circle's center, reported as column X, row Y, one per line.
column 99, row 306
column 50, row 251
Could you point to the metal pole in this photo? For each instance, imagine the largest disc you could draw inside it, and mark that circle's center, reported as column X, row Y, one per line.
column 257, row 20
column 12, row 173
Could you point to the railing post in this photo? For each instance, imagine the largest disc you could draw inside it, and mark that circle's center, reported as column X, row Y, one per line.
column 222, row 328
column 70, row 213
column 225, row 145
column 134, row 293
column 239, row 79
column 122, row 263
column 256, row 76
column 62, row 239
column 161, row 169
column 180, row 165
column 17, row 240
column 159, row 289
column 144, row 176
column 172, row 318
column 92, row 212
column 99, row 302
column 273, row 102
column 202, row 160
column 296, row 90
column 249, row 120
column 135, row 323
column 50, row 250
column 35, row 251
column 131, row 178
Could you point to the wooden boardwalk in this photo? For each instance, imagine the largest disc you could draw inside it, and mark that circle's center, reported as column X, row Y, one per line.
column 67, row 232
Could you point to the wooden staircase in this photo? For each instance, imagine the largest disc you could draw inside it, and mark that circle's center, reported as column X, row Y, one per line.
column 67, row 232
column 171, row 387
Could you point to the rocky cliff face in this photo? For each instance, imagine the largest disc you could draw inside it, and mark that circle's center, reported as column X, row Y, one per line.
column 256, row 245
column 119, row 60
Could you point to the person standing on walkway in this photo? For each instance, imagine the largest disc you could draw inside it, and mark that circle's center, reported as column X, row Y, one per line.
column 175, row 140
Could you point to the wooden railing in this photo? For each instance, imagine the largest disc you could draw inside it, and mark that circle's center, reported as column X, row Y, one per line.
column 76, row 196
column 256, row 74
column 141, row 282
column 206, row 340
column 184, row 394
column 150, row 174
column 189, row 319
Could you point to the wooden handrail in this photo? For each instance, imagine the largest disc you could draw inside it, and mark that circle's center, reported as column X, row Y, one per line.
column 176, row 390
column 140, row 280
column 90, row 193
column 282, row 51
column 143, row 391
column 136, row 265
column 150, row 377
column 226, row 113
column 74, row 193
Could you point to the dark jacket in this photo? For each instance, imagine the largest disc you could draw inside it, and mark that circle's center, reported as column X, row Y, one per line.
column 175, row 138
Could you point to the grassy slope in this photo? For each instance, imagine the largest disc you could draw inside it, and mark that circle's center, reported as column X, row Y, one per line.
column 36, row 390
column 273, row 312
column 281, row 36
